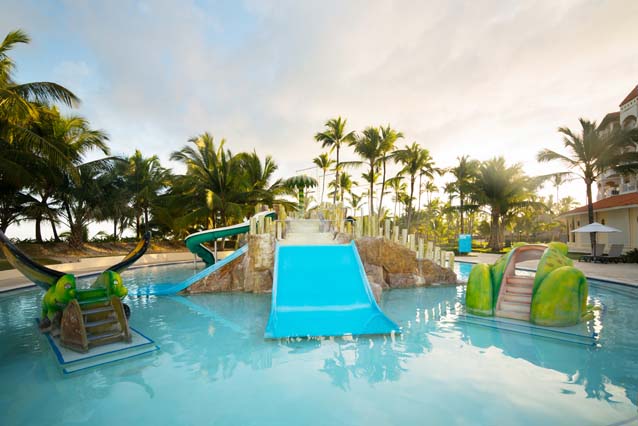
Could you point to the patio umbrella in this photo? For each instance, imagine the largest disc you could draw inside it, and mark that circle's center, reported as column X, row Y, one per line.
column 596, row 227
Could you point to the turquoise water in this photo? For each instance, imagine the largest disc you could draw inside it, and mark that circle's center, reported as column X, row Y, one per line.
column 214, row 367
column 145, row 276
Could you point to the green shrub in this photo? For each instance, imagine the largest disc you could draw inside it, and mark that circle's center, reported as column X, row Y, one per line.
column 631, row 256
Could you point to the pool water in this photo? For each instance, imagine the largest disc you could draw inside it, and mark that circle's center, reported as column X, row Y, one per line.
column 135, row 278
column 215, row 368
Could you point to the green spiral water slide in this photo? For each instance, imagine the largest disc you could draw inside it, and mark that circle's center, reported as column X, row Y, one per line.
column 195, row 242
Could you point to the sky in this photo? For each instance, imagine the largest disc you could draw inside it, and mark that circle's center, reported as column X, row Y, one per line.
column 479, row 78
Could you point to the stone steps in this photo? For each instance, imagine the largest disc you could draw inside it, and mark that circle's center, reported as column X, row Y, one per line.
column 312, row 239
column 307, row 226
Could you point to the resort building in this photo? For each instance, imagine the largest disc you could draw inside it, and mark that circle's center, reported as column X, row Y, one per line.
column 617, row 200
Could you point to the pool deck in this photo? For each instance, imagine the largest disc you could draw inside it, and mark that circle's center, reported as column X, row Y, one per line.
column 13, row 280
column 626, row 273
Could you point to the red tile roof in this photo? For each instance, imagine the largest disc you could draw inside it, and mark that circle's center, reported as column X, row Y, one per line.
column 630, row 96
column 612, row 117
column 624, row 200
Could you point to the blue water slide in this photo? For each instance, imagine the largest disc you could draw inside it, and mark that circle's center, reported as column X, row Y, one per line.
column 168, row 289
column 323, row 291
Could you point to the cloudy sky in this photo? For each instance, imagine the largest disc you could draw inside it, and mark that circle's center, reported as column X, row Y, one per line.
column 482, row 78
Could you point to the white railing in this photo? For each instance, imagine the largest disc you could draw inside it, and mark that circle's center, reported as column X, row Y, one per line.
column 364, row 226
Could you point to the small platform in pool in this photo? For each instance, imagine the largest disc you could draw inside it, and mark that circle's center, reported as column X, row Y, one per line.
column 580, row 334
column 72, row 361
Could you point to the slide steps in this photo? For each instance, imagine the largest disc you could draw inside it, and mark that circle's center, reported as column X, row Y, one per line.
column 93, row 319
column 515, row 297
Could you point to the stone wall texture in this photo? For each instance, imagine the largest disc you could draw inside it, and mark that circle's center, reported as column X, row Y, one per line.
column 387, row 265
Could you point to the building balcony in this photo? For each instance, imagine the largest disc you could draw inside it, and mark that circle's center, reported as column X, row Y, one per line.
column 628, row 187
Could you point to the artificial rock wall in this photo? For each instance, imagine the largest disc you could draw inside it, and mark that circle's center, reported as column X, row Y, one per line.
column 387, row 264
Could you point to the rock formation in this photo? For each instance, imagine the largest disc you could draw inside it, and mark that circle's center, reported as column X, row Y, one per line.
column 387, row 265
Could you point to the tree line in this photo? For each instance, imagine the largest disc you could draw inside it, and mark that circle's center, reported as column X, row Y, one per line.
column 45, row 176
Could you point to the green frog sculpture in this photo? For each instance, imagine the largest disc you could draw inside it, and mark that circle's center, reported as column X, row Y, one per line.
column 556, row 295
column 81, row 318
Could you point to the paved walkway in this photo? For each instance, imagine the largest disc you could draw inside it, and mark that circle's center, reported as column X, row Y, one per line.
column 626, row 273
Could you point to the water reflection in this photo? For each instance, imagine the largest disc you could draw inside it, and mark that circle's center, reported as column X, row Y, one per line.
column 237, row 340
column 214, row 343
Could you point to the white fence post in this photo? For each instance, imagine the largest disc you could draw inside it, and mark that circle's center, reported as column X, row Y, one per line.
column 450, row 259
column 421, row 249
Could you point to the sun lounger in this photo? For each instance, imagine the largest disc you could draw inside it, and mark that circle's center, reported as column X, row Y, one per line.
column 600, row 248
column 614, row 255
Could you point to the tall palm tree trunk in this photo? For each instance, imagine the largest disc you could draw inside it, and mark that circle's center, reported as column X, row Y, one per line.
column 395, row 206
column 461, row 196
column 418, row 206
column 56, row 237
column 145, row 219
column 382, row 191
column 495, row 233
column 323, row 185
column 372, row 189
column 410, row 206
column 337, row 186
column 38, row 228
column 590, row 214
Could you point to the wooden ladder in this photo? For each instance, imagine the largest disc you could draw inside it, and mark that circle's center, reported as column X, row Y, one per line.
column 94, row 321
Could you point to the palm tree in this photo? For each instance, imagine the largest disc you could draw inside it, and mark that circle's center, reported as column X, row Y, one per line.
column 389, row 137
column 429, row 188
column 73, row 185
column 221, row 187
column 399, row 187
column 414, row 160
column 214, row 179
column 20, row 147
column 257, row 188
column 356, row 202
column 333, row 137
column 73, row 137
column 465, row 174
column 20, row 105
column 344, row 185
column 428, row 170
column 503, row 189
column 591, row 153
column 368, row 147
column 117, row 189
column 324, row 162
column 146, row 178
column 11, row 207
column 83, row 198
column 559, row 179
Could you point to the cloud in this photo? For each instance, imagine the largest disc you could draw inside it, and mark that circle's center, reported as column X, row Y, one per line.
column 479, row 78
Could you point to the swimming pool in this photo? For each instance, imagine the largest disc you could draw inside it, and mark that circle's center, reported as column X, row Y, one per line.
column 214, row 367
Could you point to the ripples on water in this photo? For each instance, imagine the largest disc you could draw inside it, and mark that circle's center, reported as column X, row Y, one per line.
column 214, row 367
